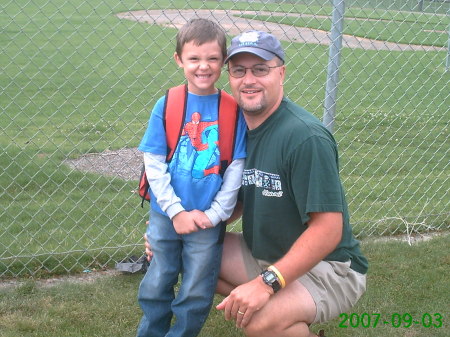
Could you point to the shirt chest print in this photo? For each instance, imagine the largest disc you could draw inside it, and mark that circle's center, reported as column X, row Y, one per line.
column 269, row 182
column 204, row 139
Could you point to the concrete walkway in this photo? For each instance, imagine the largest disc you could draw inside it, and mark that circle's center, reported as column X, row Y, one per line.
column 234, row 24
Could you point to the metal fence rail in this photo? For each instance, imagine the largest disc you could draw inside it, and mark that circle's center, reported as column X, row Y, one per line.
column 79, row 78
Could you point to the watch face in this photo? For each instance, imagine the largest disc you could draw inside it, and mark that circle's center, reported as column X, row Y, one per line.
column 270, row 277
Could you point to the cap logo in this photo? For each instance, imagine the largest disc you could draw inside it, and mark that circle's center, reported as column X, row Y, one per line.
column 249, row 38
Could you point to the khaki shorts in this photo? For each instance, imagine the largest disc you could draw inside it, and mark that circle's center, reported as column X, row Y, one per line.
column 333, row 285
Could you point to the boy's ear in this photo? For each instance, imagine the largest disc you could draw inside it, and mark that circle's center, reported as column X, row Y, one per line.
column 178, row 60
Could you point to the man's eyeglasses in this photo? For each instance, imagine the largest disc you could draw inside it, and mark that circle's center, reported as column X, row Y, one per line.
column 258, row 70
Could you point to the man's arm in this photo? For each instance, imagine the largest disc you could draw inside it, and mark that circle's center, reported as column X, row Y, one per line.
column 323, row 234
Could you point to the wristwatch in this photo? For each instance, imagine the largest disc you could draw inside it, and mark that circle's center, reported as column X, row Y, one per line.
column 270, row 278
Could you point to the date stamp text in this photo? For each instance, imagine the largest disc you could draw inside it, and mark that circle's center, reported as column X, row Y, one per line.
column 396, row 320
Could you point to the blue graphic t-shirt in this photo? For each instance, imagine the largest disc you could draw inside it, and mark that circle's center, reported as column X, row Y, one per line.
column 194, row 168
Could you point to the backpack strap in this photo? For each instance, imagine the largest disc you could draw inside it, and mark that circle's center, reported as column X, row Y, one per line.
column 173, row 117
column 143, row 186
column 175, row 114
column 228, row 118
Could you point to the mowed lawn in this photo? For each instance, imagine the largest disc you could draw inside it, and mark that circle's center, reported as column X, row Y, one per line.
column 407, row 296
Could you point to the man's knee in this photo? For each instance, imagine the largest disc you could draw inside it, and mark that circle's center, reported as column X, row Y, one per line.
column 257, row 328
column 264, row 328
column 224, row 288
column 232, row 270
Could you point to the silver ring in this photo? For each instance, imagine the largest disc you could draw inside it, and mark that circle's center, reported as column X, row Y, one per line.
column 240, row 313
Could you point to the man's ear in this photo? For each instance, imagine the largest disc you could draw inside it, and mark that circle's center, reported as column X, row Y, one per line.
column 178, row 60
column 283, row 73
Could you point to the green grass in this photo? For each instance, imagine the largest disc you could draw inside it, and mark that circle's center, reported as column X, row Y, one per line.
column 425, row 30
column 75, row 80
column 402, row 279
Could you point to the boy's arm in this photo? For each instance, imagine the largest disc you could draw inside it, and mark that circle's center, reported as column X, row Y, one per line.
column 237, row 213
column 159, row 179
column 225, row 200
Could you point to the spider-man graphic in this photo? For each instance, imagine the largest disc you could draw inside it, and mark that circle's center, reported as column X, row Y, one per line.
column 204, row 138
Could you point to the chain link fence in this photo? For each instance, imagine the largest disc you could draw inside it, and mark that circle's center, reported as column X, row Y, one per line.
column 78, row 79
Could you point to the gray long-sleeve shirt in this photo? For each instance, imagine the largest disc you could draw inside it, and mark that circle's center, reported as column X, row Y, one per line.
column 223, row 204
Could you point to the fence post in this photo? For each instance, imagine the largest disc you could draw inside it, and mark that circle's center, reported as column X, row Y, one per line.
column 447, row 64
column 333, row 64
column 420, row 6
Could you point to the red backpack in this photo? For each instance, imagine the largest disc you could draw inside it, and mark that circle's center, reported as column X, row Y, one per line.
column 174, row 116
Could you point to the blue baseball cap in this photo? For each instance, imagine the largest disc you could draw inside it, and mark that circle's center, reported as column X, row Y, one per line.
column 256, row 42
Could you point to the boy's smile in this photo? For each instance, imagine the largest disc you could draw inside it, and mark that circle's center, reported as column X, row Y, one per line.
column 202, row 66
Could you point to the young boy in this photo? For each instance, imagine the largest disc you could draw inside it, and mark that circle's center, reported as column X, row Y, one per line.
column 190, row 200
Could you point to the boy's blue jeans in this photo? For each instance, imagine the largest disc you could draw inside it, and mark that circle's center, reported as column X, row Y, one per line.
column 196, row 256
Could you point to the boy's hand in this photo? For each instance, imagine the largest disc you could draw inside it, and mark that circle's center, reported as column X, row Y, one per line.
column 201, row 219
column 184, row 223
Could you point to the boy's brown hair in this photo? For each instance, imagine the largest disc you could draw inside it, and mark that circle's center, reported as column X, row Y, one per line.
column 201, row 31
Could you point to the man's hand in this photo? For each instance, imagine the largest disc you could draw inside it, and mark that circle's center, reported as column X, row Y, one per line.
column 148, row 249
column 245, row 300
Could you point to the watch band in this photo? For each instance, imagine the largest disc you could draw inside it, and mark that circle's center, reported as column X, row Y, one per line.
column 279, row 275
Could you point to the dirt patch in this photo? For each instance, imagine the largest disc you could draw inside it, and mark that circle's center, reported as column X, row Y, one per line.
column 123, row 163
column 86, row 277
